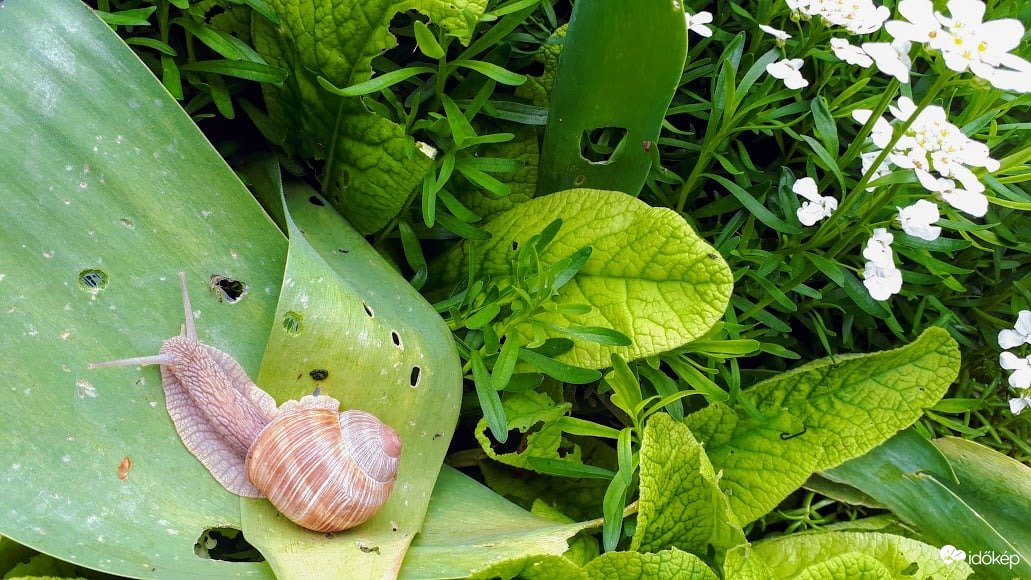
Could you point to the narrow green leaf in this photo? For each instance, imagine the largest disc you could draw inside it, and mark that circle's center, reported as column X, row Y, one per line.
column 557, row 370
column 170, row 77
column 626, row 389
column 134, row 17
column 491, row 70
column 428, row 45
column 461, row 228
column 577, row 426
column 413, row 253
column 483, row 316
column 754, row 206
column 505, row 364
column 826, row 128
column 612, row 508
column 259, row 6
column 596, row 334
column 665, row 387
column 461, row 129
column 566, row 469
column 830, row 269
column 490, row 402
column 483, row 180
column 375, row 84
column 252, row 71
column 151, row 43
column 217, row 40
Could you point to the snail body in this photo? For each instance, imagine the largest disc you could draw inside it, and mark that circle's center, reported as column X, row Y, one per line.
column 324, row 470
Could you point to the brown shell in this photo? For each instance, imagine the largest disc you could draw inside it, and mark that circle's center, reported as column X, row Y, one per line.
column 325, row 471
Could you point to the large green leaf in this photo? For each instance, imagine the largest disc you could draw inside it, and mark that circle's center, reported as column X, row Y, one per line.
column 649, row 275
column 681, row 504
column 620, row 65
column 382, row 349
column 103, row 171
column 372, row 166
column 954, row 492
column 812, row 556
column 820, row 415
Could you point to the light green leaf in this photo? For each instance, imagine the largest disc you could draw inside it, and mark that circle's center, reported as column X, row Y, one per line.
column 620, row 66
column 649, row 276
column 665, row 565
column 954, row 492
column 538, row 567
column 855, row 555
column 468, row 525
column 386, row 352
column 372, row 166
column 681, row 504
column 741, row 563
column 820, row 415
column 103, row 171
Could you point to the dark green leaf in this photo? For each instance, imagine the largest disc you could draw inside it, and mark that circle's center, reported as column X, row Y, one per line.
column 490, row 402
column 252, row 71
column 557, row 370
column 375, row 84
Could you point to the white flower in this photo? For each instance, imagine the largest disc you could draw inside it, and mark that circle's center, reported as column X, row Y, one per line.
column 974, row 203
column 818, row 207
column 858, row 16
column 922, row 25
column 788, row 71
column 1018, row 404
column 881, row 282
column 1019, row 334
column 891, row 59
column 904, row 108
column 697, row 23
column 966, row 41
column 776, row 33
column 850, row 53
column 1021, row 367
column 916, row 220
column 878, row 249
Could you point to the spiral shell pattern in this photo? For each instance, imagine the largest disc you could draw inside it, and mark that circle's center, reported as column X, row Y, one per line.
column 325, row 471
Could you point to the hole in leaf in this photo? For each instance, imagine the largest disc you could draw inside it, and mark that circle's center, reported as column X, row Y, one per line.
column 227, row 289
column 316, row 200
column 414, row 378
column 599, row 145
column 396, row 339
column 368, row 310
column 515, row 245
column 293, row 322
column 92, row 280
column 226, row 544
column 319, row 374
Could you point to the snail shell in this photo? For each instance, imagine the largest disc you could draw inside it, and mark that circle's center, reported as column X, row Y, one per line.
column 324, row 470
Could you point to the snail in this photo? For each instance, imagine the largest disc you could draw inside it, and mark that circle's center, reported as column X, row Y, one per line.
column 324, row 470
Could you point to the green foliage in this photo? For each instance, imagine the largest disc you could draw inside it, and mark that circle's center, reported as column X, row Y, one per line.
column 431, row 138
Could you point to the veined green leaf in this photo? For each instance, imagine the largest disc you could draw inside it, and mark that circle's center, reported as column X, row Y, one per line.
column 873, row 397
column 842, row 554
column 681, row 502
column 649, row 276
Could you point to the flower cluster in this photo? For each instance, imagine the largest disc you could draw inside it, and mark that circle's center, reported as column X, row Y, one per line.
column 1020, row 378
column 937, row 151
column 966, row 41
column 858, row 16
column 880, row 276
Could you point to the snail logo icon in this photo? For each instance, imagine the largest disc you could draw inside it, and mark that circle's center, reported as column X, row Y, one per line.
column 950, row 554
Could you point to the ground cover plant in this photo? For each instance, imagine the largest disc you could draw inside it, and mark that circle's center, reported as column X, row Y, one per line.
column 653, row 289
